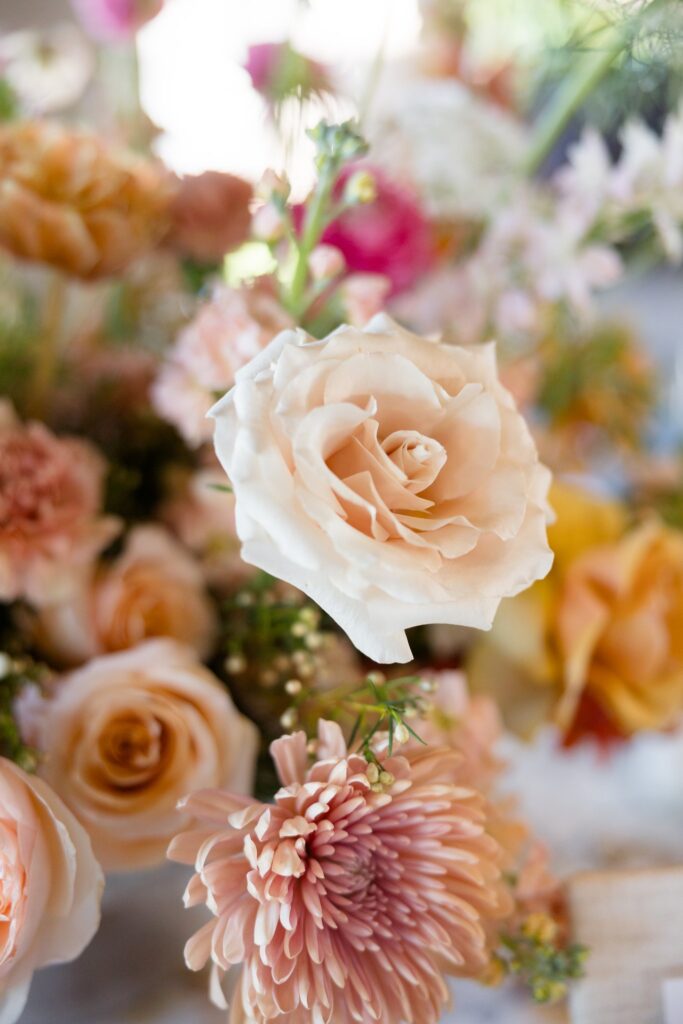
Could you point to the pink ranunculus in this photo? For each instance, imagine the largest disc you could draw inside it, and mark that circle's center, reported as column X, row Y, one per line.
column 50, row 885
column 389, row 236
column 51, row 527
column 127, row 735
column 388, row 476
column 227, row 332
column 110, row 21
column 328, row 898
column 155, row 588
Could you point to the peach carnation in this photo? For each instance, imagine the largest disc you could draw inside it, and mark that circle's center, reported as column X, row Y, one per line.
column 388, row 476
column 50, row 885
column 155, row 588
column 348, row 898
column 129, row 734
column 50, row 501
column 66, row 200
column 227, row 332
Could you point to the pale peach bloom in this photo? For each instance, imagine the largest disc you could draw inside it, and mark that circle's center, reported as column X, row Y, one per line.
column 472, row 726
column 268, row 224
column 51, row 527
column 347, row 899
column 227, row 332
column 388, row 476
column 363, row 296
column 326, row 262
column 155, row 588
column 50, row 885
column 128, row 735
column 210, row 215
column 468, row 722
column 202, row 515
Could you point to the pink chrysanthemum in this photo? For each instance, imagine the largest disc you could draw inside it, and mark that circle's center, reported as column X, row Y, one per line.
column 347, row 899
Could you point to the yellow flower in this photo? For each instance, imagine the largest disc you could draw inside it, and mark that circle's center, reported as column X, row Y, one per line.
column 604, row 630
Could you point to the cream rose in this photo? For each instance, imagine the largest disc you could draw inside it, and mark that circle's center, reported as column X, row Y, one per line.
column 50, row 885
column 128, row 735
column 388, row 476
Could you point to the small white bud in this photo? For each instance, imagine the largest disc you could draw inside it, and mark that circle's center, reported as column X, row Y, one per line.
column 401, row 734
column 372, row 773
column 235, row 664
column 376, row 678
column 288, row 718
column 386, row 778
column 293, row 687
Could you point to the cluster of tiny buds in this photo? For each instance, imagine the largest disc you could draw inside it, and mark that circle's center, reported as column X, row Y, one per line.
column 379, row 779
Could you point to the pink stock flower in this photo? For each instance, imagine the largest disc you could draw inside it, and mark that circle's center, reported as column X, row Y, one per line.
column 278, row 71
column 348, row 898
column 227, row 332
column 50, row 501
column 389, row 236
column 110, row 21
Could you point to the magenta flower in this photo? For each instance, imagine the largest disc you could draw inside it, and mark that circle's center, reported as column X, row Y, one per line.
column 278, row 71
column 389, row 236
column 113, row 20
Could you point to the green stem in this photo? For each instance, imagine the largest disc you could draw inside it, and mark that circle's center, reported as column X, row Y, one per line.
column 47, row 355
column 570, row 97
column 314, row 226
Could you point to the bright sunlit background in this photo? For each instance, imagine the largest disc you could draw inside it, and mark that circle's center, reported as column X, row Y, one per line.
column 195, row 89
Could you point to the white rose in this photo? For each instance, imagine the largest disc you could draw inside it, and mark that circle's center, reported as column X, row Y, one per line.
column 389, row 477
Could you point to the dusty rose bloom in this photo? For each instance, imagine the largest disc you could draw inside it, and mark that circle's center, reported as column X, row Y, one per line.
column 128, row 735
column 155, row 588
column 347, row 899
column 210, row 215
column 50, row 503
column 50, row 885
column 202, row 515
column 227, row 332
column 388, row 476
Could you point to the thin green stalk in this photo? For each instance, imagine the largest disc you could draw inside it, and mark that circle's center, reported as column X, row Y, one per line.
column 47, row 355
column 571, row 96
column 313, row 228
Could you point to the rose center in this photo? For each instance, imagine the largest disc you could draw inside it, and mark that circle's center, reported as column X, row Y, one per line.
column 132, row 749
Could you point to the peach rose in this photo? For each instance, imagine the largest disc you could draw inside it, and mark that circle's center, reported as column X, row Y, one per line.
column 389, row 477
column 619, row 630
column 155, row 588
column 50, row 885
column 128, row 735
column 50, row 503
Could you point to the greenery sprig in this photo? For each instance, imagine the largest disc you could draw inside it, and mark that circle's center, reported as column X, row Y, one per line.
column 534, row 956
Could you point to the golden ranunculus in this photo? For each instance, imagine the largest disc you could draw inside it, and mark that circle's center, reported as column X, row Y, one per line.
column 599, row 643
column 67, row 200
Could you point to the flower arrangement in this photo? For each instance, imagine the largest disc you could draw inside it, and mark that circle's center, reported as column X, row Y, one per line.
column 303, row 511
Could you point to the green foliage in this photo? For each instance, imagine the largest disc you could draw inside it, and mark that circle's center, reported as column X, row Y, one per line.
column 538, row 962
